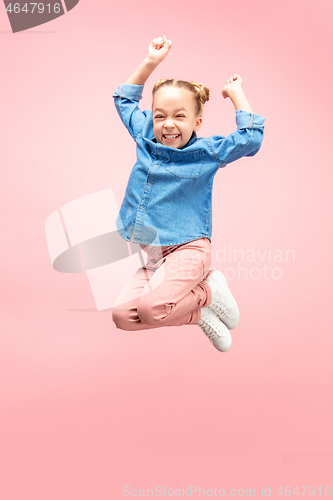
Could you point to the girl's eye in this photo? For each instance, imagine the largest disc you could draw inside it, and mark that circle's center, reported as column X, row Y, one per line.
column 158, row 116
column 180, row 116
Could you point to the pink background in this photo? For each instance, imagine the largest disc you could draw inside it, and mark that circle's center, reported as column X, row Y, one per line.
column 87, row 409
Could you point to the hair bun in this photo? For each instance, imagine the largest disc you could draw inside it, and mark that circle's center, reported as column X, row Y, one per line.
column 202, row 90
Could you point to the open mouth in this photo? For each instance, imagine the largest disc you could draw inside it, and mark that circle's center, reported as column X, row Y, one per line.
column 170, row 137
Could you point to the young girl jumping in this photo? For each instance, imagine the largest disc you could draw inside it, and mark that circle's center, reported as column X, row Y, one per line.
column 169, row 194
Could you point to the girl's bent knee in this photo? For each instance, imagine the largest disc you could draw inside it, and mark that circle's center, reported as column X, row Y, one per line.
column 120, row 320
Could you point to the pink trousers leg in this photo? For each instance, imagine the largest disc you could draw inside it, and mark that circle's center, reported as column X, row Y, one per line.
column 169, row 290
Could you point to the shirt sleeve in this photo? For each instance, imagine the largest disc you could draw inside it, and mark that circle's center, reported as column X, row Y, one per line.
column 126, row 99
column 245, row 141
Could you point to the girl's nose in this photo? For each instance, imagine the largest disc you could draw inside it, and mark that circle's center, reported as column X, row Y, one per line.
column 168, row 123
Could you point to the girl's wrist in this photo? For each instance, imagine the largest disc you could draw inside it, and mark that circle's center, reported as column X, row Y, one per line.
column 236, row 92
column 150, row 63
column 239, row 100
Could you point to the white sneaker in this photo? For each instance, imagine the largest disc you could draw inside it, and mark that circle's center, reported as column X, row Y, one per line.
column 215, row 330
column 223, row 303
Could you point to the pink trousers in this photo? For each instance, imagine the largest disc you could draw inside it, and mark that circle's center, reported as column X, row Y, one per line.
column 169, row 290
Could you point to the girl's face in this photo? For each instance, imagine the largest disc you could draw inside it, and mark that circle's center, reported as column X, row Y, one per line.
column 174, row 116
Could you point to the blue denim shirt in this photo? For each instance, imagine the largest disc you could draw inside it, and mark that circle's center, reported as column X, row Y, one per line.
column 170, row 190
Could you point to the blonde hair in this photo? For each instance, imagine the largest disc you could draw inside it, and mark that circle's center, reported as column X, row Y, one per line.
column 200, row 92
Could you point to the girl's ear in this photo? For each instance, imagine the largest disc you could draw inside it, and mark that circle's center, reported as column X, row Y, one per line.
column 198, row 123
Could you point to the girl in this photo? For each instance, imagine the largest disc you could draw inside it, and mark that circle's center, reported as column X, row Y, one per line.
column 167, row 208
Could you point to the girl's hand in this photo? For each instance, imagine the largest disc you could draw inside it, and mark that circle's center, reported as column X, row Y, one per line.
column 234, row 83
column 159, row 48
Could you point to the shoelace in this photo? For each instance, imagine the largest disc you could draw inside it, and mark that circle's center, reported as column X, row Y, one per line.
column 224, row 311
column 209, row 329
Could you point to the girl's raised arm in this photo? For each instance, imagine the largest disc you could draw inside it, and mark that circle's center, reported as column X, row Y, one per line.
column 157, row 51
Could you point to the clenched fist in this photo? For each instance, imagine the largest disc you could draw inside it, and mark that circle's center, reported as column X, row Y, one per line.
column 233, row 83
column 159, row 48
